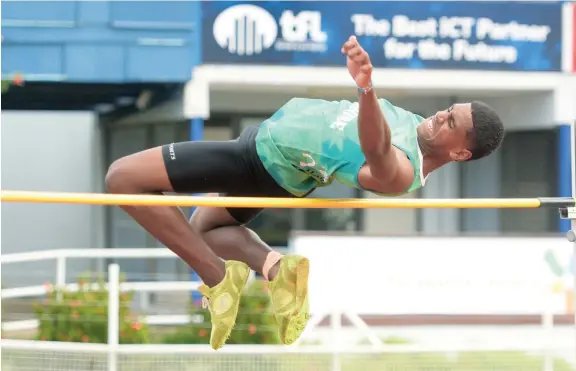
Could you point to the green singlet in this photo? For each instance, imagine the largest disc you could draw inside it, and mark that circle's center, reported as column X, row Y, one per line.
column 309, row 143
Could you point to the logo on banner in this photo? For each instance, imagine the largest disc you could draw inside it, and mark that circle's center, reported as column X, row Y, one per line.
column 249, row 29
column 245, row 29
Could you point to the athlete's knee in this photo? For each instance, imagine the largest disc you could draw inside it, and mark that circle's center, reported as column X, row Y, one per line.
column 117, row 179
column 142, row 172
column 122, row 177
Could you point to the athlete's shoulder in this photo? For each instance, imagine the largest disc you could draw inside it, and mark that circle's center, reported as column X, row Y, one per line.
column 399, row 113
column 312, row 106
column 296, row 102
column 314, row 101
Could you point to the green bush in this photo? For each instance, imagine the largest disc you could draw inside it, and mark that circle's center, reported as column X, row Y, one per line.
column 255, row 323
column 82, row 316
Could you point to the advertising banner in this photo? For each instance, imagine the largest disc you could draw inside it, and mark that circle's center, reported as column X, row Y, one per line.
column 435, row 275
column 508, row 36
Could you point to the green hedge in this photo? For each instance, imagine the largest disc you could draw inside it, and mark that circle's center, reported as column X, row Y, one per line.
column 82, row 316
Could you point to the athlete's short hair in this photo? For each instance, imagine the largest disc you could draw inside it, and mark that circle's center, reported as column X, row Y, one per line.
column 488, row 131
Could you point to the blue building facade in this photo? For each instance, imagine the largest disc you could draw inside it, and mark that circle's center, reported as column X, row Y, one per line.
column 100, row 41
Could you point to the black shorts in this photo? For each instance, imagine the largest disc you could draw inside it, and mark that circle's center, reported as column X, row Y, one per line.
column 231, row 168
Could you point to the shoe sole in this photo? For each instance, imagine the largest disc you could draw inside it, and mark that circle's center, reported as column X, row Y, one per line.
column 302, row 273
column 237, row 306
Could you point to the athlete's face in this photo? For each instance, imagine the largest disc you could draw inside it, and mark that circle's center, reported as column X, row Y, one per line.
column 447, row 133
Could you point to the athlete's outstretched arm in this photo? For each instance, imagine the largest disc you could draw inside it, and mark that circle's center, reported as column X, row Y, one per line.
column 373, row 130
column 372, row 126
column 389, row 170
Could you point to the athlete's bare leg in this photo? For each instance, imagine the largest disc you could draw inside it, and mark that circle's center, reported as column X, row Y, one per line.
column 231, row 241
column 145, row 173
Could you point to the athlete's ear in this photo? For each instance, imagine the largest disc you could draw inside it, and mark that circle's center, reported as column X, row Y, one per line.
column 461, row 155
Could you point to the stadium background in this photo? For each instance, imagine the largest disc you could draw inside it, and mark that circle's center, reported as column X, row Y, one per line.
column 89, row 82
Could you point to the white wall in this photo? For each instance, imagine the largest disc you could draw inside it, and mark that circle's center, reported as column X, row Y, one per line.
column 49, row 151
column 565, row 100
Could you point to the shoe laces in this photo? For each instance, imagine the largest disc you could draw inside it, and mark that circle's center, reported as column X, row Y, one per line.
column 206, row 305
column 205, row 291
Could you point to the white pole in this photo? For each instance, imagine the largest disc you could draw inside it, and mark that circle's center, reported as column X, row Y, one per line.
column 548, row 332
column 60, row 275
column 336, row 318
column 113, row 314
column 336, row 322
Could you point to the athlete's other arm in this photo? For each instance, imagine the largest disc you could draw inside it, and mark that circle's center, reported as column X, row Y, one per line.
column 388, row 169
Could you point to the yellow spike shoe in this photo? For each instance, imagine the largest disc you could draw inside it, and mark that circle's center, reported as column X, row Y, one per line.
column 223, row 301
column 289, row 295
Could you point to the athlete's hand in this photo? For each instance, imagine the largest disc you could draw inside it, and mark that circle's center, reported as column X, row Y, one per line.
column 358, row 62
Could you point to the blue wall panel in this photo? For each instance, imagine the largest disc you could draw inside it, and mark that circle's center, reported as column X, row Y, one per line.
column 35, row 12
column 103, row 41
column 162, row 15
column 93, row 13
column 162, row 63
column 106, row 62
column 37, row 59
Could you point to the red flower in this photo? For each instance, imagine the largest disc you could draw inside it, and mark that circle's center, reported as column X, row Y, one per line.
column 252, row 329
column 18, row 80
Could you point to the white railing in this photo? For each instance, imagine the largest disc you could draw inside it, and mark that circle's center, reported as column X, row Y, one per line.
column 62, row 257
column 114, row 353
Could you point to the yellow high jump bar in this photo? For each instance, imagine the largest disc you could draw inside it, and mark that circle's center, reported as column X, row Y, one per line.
column 289, row 203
